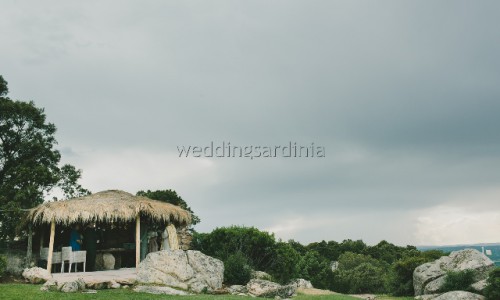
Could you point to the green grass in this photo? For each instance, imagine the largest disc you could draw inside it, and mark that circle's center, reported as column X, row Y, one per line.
column 15, row 291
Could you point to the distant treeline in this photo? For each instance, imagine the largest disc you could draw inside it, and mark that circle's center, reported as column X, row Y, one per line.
column 359, row 268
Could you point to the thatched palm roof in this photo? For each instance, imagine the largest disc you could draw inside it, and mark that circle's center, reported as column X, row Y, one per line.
column 107, row 206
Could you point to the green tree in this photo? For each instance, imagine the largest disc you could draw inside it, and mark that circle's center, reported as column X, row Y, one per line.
column 316, row 268
column 68, row 182
column 284, row 266
column 358, row 273
column 258, row 246
column 28, row 161
column 3, row 87
column 170, row 196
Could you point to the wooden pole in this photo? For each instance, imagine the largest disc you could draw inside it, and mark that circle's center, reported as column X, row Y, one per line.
column 137, row 240
column 51, row 245
column 29, row 251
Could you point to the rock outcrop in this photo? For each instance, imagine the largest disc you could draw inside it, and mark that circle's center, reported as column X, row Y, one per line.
column 429, row 277
column 36, row 275
column 268, row 289
column 186, row 270
column 459, row 295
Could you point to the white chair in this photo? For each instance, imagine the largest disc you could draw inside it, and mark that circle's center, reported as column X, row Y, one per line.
column 66, row 255
column 80, row 257
column 56, row 256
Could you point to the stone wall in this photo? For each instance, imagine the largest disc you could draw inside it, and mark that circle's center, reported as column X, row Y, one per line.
column 185, row 237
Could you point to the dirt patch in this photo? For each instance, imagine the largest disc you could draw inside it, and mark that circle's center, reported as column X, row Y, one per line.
column 315, row 292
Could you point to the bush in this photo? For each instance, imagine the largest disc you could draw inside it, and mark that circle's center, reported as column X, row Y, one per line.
column 3, row 265
column 237, row 270
column 458, row 281
column 492, row 290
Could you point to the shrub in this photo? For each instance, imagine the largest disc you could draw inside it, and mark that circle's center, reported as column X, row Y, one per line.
column 458, row 281
column 492, row 290
column 237, row 270
column 3, row 265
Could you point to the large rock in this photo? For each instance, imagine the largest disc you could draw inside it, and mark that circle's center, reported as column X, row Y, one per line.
column 186, row 270
column 459, row 295
column 108, row 261
column 36, row 275
column 429, row 277
column 268, row 289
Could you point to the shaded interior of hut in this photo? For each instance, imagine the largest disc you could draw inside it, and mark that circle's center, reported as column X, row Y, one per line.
column 105, row 246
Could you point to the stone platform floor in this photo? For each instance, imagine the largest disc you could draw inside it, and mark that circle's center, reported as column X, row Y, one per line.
column 122, row 276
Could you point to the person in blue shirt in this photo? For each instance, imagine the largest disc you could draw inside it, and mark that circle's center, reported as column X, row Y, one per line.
column 76, row 239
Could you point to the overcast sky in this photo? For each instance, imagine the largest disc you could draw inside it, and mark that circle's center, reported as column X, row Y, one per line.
column 404, row 96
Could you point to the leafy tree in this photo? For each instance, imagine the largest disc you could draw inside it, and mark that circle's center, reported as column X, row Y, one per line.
column 170, row 196
column 358, row 273
column 68, row 182
column 349, row 245
column 400, row 278
column 316, row 269
column 3, row 87
column 258, row 246
column 284, row 266
column 330, row 250
column 492, row 290
column 28, row 161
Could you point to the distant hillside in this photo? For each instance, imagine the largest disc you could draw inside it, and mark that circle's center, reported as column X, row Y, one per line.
column 494, row 248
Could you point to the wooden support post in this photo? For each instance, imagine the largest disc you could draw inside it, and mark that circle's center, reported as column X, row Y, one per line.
column 29, row 251
column 137, row 240
column 51, row 245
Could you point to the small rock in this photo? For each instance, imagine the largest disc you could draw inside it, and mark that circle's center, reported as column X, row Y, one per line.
column 113, row 285
column 49, row 285
column 36, row 275
column 480, row 285
column 302, row 283
column 237, row 289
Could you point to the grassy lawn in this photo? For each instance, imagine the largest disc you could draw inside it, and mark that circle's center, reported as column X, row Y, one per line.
column 29, row 291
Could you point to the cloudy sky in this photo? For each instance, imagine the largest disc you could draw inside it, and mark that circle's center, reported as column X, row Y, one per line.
column 404, row 96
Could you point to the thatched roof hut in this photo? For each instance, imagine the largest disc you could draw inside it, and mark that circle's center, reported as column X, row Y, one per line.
column 106, row 207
